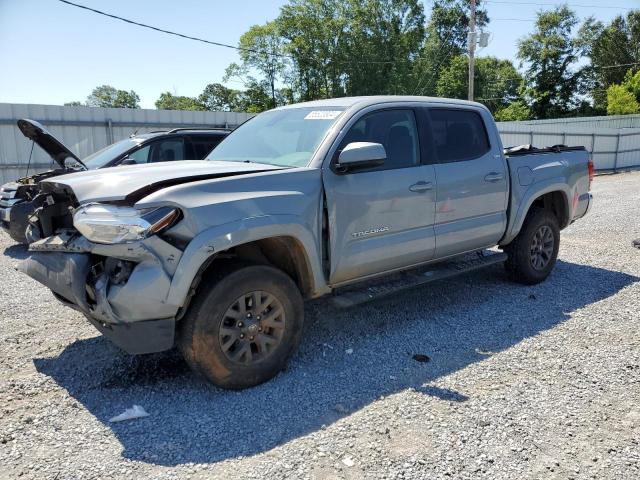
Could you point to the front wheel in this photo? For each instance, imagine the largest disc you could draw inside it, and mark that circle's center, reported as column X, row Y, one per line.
column 242, row 328
column 533, row 253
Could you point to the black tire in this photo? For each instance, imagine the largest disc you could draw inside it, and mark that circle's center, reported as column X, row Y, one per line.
column 522, row 251
column 203, row 328
column 16, row 228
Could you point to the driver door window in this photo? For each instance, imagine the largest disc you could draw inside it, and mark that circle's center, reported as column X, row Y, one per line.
column 381, row 218
column 138, row 157
column 397, row 132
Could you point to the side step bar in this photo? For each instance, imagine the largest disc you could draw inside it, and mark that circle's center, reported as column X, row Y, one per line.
column 382, row 287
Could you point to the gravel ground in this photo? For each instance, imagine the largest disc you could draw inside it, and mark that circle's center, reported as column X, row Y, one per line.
column 520, row 382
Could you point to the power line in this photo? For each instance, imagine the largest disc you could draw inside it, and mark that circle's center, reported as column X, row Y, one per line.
column 514, row 19
column 539, row 4
column 618, row 66
column 219, row 44
column 169, row 32
column 284, row 55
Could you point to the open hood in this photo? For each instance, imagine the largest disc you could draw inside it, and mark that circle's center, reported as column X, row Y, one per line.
column 132, row 182
column 55, row 148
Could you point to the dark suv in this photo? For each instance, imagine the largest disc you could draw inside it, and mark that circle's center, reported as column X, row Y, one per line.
column 16, row 198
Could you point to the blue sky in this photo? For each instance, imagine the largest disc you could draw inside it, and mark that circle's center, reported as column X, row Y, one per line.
column 53, row 53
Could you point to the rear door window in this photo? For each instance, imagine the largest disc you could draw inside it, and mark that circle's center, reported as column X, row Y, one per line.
column 202, row 145
column 458, row 134
column 167, row 150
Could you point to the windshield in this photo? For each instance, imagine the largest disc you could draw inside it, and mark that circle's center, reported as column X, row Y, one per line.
column 102, row 157
column 285, row 138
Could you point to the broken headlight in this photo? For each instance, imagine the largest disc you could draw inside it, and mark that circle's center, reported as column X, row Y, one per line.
column 102, row 223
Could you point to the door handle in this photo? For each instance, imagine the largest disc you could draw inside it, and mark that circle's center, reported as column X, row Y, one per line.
column 421, row 186
column 493, row 177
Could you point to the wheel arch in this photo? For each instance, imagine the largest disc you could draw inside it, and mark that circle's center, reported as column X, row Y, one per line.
column 279, row 241
column 553, row 197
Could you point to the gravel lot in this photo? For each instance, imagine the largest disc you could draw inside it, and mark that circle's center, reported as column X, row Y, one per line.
column 521, row 382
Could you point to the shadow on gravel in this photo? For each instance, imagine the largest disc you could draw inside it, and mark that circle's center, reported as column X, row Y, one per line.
column 17, row 251
column 455, row 323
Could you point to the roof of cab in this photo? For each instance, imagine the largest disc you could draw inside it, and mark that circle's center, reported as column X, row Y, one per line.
column 347, row 102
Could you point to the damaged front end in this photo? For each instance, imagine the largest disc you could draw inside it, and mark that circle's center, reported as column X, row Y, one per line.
column 112, row 266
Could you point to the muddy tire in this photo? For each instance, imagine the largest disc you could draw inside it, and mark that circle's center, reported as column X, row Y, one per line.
column 243, row 326
column 533, row 253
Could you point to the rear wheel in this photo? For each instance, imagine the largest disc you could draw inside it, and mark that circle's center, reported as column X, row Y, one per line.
column 533, row 253
column 243, row 327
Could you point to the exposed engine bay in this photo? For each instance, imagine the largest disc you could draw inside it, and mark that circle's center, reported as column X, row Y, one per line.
column 53, row 212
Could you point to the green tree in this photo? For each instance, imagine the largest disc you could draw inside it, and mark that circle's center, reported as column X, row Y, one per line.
column 550, row 54
column 109, row 97
column 74, row 103
column 624, row 99
column 380, row 42
column 632, row 83
column 168, row 101
column 256, row 97
column 517, row 111
column 497, row 82
column 621, row 101
column 313, row 31
column 446, row 39
column 262, row 50
column 613, row 49
column 217, row 97
column 350, row 47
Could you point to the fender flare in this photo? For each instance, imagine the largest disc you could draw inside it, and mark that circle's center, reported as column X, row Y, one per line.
column 530, row 195
column 223, row 237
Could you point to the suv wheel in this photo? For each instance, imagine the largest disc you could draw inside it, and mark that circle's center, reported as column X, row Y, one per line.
column 533, row 253
column 243, row 327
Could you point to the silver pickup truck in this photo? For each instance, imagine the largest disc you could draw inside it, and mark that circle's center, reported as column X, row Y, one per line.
column 359, row 197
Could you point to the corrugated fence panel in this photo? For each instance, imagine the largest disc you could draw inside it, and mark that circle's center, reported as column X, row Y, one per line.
column 611, row 121
column 611, row 148
column 85, row 130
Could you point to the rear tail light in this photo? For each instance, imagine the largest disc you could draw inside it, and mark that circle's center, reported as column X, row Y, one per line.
column 591, row 173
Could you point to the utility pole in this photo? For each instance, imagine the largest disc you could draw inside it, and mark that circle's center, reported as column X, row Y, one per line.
column 471, row 40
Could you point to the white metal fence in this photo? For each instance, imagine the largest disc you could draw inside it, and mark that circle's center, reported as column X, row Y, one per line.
column 85, row 130
column 612, row 149
column 613, row 141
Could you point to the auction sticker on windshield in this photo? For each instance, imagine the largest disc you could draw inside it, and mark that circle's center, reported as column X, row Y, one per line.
column 323, row 115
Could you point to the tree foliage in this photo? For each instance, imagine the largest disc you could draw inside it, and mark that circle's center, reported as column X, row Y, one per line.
column 445, row 39
column 497, row 82
column 168, row 101
column 621, row 101
column 107, row 96
column 550, row 55
column 254, row 98
column 332, row 48
column 624, row 99
column 350, row 47
column 612, row 49
column 516, row 111
column 261, row 50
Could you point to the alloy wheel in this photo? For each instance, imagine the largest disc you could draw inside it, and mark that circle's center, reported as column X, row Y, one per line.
column 252, row 327
column 542, row 247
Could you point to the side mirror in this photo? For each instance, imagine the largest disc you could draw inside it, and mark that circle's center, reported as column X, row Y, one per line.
column 128, row 161
column 361, row 155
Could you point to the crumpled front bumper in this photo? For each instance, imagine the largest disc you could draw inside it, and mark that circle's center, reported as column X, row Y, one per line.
column 134, row 314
